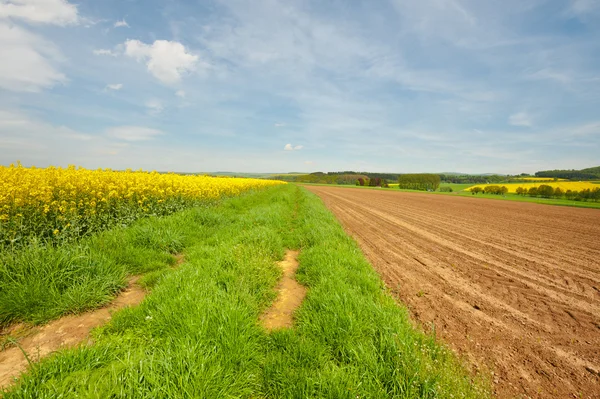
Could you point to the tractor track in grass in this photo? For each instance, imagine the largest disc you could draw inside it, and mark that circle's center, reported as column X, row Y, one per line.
column 515, row 287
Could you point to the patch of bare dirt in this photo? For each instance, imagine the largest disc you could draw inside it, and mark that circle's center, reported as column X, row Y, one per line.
column 290, row 296
column 68, row 331
column 514, row 287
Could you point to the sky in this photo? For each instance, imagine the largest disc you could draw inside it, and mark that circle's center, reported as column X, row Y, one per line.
column 399, row 86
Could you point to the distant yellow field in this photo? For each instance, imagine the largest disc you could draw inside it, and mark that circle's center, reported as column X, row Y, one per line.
column 538, row 179
column 564, row 185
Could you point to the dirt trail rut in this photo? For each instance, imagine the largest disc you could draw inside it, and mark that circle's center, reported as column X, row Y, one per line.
column 290, row 296
column 67, row 331
column 513, row 286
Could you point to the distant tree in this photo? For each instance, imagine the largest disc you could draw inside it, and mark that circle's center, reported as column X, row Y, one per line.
column 375, row 182
column 493, row 190
column 532, row 192
column 419, row 181
column 585, row 195
column 570, row 195
column 558, row 192
column 545, row 191
column 595, row 194
column 476, row 190
column 503, row 190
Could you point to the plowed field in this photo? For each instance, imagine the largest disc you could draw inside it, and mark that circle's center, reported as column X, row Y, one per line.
column 514, row 287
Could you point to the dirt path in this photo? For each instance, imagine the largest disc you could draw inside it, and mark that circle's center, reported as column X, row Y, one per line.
column 290, row 296
column 68, row 331
column 513, row 286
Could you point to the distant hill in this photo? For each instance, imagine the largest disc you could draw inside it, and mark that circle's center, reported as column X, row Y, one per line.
column 572, row 174
column 595, row 169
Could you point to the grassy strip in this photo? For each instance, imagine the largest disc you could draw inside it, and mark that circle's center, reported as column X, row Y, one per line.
column 197, row 334
column 41, row 282
column 508, row 197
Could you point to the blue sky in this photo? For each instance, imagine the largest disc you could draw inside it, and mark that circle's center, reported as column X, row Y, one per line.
column 504, row 86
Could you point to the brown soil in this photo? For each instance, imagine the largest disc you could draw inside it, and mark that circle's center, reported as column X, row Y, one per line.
column 66, row 332
column 290, row 296
column 512, row 286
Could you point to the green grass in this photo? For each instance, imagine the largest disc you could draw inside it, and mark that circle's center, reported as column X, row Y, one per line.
column 197, row 334
column 40, row 282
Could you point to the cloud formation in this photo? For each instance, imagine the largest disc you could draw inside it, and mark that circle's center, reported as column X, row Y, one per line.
column 57, row 12
column 154, row 106
column 29, row 62
column 121, row 24
column 105, row 52
column 166, row 60
column 115, row 86
column 289, row 147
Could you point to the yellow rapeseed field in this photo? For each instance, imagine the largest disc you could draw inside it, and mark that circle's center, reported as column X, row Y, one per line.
column 544, row 179
column 564, row 185
column 57, row 202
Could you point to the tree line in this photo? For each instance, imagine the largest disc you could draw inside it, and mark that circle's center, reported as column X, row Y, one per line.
column 583, row 174
column 472, row 179
column 546, row 191
column 496, row 190
column 419, row 181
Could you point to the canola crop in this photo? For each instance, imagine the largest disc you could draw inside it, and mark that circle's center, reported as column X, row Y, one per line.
column 544, row 179
column 65, row 203
column 564, row 185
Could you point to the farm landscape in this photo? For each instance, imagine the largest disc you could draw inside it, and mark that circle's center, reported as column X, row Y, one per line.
column 122, row 278
column 300, row 199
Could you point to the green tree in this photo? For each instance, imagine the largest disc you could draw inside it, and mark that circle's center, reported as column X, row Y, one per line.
column 545, row 191
column 532, row 192
column 558, row 192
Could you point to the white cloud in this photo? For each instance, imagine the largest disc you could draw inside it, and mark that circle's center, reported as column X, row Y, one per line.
column 279, row 125
column 121, row 24
column 309, row 163
column 28, row 61
column 133, row 133
column 289, row 147
column 180, row 93
column 105, row 52
column 520, row 119
column 57, row 12
column 115, row 86
column 166, row 60
column 154, row 106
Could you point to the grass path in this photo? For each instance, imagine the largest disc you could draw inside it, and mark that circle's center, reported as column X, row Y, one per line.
column 197, row 334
